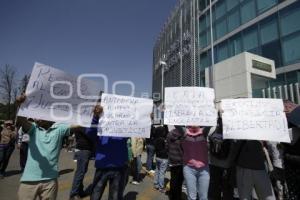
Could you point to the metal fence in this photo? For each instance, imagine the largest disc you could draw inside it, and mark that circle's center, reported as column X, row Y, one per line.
column 290, row 92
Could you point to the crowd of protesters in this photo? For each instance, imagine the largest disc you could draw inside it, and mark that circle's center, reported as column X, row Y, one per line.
column 211, row 167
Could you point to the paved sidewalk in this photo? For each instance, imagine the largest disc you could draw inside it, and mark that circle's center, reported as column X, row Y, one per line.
column 9, row 185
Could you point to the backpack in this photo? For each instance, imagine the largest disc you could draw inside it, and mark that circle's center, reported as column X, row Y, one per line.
column 218, row 147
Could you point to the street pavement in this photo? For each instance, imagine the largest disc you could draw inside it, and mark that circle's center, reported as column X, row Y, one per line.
column 9, row 185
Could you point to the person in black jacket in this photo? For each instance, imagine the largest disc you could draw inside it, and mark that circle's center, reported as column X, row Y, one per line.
column 83, row 153
column 292, row 165
column 161, row 151
column 252, row 173
column 175, row 152
column 150, row 150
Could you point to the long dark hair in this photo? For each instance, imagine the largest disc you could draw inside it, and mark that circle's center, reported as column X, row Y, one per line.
column 219, row 128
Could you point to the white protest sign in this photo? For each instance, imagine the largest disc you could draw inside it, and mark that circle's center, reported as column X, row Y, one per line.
column 54, row 95
column 190, row 106
column 254, row 119
column 125, row 116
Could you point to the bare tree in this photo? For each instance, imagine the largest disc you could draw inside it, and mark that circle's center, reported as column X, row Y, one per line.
column 19, row 90
column 24, row 83
column 7, row 86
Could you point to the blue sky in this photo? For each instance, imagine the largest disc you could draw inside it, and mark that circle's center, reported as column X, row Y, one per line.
column 113, row 37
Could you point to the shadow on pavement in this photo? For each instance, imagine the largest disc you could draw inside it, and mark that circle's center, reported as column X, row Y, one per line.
column 130, row 196
column 12, row 172
column 65, row 171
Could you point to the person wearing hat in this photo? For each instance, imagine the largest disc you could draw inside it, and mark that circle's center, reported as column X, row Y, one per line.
column 195, row 160
column 7, row 138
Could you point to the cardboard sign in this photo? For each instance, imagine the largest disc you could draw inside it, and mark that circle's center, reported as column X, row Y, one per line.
column 254, row 119
column 54, row 95
column 190, row 106
column 125, row 116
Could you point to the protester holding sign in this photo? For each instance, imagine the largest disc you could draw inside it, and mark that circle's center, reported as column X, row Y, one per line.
column 110, row 162
column 292, row 152
column 174, row 139
column 39, row 179
column 195, row 160
column 251, row 171
column 221, row 164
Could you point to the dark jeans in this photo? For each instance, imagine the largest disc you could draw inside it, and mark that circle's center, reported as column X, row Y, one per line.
column 5, row 154
column 23, row 154
column 137, row 168
column 150, row 157
column 221, row 184
column 176, row 182
column 83, row 157
column 116, row 178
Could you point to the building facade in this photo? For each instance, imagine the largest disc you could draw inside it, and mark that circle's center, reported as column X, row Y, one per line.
column 269, row 28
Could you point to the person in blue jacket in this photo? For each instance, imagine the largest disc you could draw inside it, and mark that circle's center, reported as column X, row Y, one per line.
column 111, row 160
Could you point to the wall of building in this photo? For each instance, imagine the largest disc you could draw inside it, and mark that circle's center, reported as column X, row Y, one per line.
column 234, row 77
column 263, row 27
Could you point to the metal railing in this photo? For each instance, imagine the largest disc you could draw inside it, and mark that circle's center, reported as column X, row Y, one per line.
column 290, row 92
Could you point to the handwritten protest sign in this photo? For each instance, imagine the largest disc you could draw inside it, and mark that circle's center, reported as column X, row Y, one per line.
column 254, row 119
column 125, row 116
column 190, row 106
column 54, row 95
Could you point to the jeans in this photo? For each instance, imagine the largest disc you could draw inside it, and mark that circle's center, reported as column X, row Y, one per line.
column 83, row 157
column 176, row 182
column 23, row 154
column 137, row 168
column 115, row 177
column 221, row 185
column 5, row 153
column 197, row 181
column 150, row 156
column 161, row 168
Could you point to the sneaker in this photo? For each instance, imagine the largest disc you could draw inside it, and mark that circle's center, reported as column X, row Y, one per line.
column 162, row 190
column 135, row 183
column 75, row 198
column 152, row 171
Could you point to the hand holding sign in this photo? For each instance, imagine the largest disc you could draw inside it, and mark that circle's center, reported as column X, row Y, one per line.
column 54, row 95
column 190, row 106
column 254, row 119
column 125, row 116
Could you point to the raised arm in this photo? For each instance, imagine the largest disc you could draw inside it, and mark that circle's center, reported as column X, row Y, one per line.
column 22, row 121
column 97, row 112
column 93, row 129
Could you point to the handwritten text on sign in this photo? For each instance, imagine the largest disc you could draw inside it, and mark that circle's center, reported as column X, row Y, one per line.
column 54, row 95
column 254, row 119
column 125, row 116
column 190, row 106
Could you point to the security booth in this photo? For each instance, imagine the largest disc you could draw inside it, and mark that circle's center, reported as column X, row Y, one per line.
column 244, row 75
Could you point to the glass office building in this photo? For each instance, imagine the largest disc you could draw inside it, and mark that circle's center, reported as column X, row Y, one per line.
column 269, row 28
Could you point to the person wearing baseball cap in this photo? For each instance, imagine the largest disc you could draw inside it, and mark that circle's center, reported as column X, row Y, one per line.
column 7, row 137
